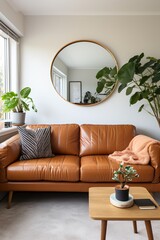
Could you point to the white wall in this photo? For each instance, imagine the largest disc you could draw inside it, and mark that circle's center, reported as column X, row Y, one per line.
column 88, row 79
column 12, row 18
column 124, row 35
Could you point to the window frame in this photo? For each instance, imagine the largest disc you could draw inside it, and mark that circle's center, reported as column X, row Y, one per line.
column 62, row 88
column 11, row 60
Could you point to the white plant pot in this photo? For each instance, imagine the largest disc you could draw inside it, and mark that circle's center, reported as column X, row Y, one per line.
column 18, row 118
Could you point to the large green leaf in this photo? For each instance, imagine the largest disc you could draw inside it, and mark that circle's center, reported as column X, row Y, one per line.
column 100, row 87
column 25, row 92
column 25, row 105
column 129, row 90
column 137, row 60
column 145, row 94
column 156, row 78
column 8, row 95
column 135, row 98
column 133, row 59
column 109, row 84
column 143, row 80
column 140, row 57
column 152, row 58
column 10, row 104
column 103, row 72
column 156, row 65
column 141, row 107
column 126, row 73
column 113, row 72
column 144, row 67
column 121, row 87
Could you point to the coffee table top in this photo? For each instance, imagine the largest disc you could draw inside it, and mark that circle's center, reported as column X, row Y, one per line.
column 100, row 207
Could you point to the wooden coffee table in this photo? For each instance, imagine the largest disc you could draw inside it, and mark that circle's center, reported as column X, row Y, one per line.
column 100, row 208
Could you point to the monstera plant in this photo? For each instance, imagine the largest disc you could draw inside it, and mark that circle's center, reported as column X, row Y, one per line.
column 140, row 78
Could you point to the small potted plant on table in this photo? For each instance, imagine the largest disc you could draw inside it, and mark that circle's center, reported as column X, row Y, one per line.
column 123, row 175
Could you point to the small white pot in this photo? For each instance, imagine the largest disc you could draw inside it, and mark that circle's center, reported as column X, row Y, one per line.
column 18, row 118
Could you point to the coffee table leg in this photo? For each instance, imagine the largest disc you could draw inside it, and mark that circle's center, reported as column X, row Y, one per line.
column 149, row 230
column 103, row 229
column 135, row 227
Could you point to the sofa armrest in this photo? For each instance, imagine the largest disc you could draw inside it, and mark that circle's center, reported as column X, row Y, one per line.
column 154, row 152
column 10, row 151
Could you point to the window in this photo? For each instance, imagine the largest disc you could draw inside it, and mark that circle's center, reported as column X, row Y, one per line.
column 2, row 82
column 60, row 82
column 8, row 63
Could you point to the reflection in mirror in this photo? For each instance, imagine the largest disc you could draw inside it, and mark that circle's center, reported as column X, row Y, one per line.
column 78, row 72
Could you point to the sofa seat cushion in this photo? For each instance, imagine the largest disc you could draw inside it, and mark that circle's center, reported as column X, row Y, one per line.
column 59, row 168
column 98, row 168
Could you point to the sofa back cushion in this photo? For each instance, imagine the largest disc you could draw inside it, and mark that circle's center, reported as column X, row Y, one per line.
column 64, row 138
column 104, row 139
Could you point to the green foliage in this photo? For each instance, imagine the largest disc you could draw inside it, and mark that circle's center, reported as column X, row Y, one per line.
column 18, row 103
column 124, row 174
column 142, row 82
column 106, row 80
column 126, row 73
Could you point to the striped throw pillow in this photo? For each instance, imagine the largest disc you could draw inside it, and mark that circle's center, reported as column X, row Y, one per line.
column 35, row 143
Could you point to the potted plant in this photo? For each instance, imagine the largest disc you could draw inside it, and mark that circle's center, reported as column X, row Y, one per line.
column 89, row 98
column 123, row 175
column 18, row 104
column 140, row 78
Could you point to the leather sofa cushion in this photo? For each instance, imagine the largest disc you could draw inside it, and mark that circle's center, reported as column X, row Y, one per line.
column 104, row 139
column 59, row 168
column 64, row 138
column 100, row 169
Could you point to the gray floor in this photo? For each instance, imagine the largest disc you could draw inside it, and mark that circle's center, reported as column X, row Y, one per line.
column 61, row 216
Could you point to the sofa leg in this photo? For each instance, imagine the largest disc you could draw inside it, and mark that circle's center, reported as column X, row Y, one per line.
column 10, row 194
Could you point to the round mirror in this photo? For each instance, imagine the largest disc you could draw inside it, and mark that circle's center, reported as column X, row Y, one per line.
column 82, row 72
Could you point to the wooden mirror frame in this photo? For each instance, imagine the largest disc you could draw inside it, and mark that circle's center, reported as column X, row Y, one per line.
column 68, row 81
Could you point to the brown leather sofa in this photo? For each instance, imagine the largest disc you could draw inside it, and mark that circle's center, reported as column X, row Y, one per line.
column 80, row 161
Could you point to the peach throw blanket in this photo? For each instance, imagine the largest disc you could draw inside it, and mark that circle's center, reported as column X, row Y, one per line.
column 136, row 152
